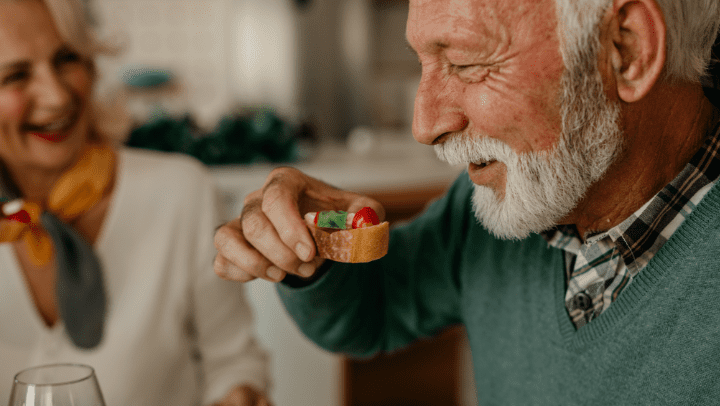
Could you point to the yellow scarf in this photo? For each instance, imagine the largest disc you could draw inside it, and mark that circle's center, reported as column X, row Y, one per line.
column 76, row 192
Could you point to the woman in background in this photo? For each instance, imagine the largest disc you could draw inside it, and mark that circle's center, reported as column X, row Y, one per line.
column 106, row 254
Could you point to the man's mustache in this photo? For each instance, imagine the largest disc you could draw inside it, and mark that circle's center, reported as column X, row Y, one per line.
column 466, row 149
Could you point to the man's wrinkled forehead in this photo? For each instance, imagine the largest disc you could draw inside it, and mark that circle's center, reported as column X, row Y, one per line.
column 460, row 7
column 457, row 10
column 486, row 18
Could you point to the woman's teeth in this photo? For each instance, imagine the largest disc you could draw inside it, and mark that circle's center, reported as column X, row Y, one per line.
column 58, row 125
column 52, row 127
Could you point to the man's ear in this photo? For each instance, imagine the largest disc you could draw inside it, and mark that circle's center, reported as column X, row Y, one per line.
column 636, row 43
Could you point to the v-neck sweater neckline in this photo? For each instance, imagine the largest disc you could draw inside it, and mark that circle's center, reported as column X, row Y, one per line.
column 675, row 249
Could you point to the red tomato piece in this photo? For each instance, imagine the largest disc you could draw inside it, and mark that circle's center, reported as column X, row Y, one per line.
column 365, row 217
column 21, row 216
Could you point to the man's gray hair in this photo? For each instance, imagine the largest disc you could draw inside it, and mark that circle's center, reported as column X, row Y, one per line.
column 692, row 28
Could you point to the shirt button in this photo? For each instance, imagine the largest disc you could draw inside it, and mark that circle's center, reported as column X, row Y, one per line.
column 582, row 301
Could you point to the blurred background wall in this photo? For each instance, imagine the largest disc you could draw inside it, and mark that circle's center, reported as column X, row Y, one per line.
column 338, row 64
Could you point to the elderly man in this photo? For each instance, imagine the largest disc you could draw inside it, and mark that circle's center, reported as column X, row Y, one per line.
column 591, row 147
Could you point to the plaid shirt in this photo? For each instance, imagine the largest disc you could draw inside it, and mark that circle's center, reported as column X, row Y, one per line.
column 598, row 270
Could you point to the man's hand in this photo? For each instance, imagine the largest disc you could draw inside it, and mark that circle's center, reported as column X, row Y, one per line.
column 244, row 396
column 270, row 238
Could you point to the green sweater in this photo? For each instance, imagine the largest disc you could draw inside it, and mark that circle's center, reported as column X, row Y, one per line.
column 657, row 344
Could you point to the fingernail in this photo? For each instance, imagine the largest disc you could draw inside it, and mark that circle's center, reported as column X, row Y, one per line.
column 306, row 270
column 274, row 273
column 302, row 251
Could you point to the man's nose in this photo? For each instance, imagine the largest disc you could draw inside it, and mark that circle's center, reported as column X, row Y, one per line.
column 437, row 111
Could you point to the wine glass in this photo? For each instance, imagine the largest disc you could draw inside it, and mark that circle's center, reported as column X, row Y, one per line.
column 56, row 385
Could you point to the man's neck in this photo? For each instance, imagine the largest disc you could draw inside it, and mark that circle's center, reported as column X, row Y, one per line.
column 662, row 133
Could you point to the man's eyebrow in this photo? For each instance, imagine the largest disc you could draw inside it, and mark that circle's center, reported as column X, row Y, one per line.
column 435, row 45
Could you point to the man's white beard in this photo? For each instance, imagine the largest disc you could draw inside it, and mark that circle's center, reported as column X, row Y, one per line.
column 543, row 187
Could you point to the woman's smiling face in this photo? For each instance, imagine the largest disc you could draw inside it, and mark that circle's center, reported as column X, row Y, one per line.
column 45, row 91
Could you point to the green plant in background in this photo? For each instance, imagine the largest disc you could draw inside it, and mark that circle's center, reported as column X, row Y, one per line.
column 254, row 136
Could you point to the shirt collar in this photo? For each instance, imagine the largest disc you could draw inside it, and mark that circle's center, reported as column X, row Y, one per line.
column 642, row 233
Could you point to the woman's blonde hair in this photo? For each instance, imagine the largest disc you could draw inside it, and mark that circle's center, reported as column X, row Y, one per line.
column 72, row 21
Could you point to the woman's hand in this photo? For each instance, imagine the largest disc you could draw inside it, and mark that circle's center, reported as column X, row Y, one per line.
column 270, row 238
column 244, row 395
